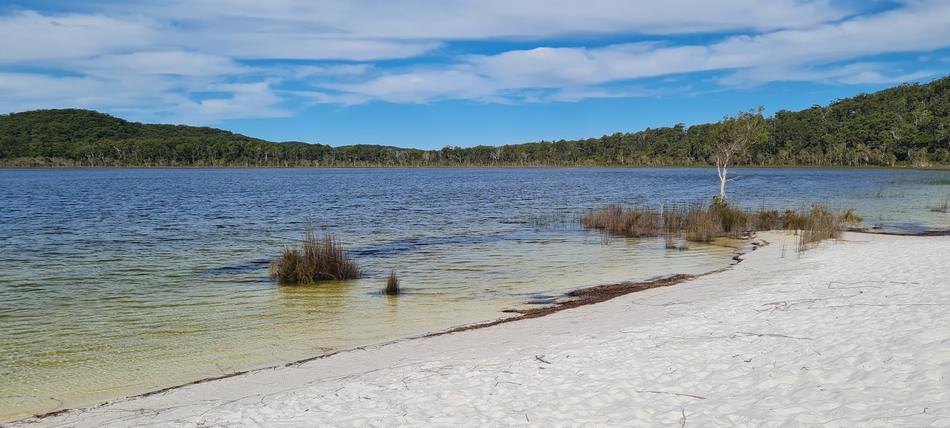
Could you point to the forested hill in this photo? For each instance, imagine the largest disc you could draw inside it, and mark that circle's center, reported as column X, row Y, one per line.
column 905, row 125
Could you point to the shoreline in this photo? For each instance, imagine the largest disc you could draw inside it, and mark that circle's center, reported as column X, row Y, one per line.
column 577, row 298
column 266, row 377
column 929, row 232
column 940, row 168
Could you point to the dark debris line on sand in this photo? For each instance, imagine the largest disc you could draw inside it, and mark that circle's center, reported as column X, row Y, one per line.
column 591, row 295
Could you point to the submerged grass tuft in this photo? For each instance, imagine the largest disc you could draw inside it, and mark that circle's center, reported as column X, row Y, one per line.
column 392, row 284
column 618, row 220
column 321, row 258
column 942, row 208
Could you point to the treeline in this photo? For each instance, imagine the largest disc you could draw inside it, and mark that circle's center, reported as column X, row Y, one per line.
column 905, row 125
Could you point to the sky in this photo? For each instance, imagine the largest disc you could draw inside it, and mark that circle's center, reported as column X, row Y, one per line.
column 430, row 74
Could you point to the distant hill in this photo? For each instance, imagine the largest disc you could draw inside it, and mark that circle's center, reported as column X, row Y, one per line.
column 905, row 125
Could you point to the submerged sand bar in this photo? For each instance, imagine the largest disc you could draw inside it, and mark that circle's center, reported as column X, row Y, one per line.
column 854, row 332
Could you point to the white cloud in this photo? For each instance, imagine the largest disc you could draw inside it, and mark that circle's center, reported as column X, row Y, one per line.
column 422, row 86
column 288, row 45
column 878, row 77
column 323, row 97
column 850, row 74
column 494, row 19
column 577, row 94
column 34, row 37
column 30, row 36
column 306, row 71
column 29, row 91
column 245, row 100
column 158, row 59
column 920, row 27
column 161, row 62
column 374, row 29
column 144, row 97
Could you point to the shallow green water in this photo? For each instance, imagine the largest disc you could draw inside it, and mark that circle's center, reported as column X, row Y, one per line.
column 114, row 282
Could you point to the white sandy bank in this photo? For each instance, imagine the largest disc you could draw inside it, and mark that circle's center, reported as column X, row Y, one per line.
column 853, row 333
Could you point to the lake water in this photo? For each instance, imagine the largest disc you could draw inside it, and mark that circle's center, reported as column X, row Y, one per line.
column 119, row 281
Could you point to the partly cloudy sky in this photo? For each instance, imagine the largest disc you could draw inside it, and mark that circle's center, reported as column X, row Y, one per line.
column 456, row 72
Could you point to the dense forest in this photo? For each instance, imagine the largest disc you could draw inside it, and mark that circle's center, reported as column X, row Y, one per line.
column 906, row 125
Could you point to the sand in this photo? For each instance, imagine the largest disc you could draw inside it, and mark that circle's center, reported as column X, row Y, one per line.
column 855, row 332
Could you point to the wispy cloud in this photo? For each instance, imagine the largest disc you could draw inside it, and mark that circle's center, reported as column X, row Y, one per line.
column 266, row 59
column 494, row 19
column 849, row 74
column 245, row 100
column 178, row 63
column 33, row 37
column 775, row 56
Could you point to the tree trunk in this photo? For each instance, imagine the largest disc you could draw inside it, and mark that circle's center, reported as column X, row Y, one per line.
column 722, row 184
column 722, row 169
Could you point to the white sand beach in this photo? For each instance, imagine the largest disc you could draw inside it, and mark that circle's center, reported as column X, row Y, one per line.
column 853, row 333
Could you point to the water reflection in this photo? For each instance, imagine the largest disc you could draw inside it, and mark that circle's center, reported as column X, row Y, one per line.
column 114, row 282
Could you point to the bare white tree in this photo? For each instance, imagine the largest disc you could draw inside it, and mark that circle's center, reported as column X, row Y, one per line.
column 734, row 135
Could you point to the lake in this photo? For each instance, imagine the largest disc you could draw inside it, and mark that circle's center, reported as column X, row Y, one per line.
column 120, row 281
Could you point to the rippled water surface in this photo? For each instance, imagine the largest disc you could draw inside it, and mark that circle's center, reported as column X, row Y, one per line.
column 119, row 281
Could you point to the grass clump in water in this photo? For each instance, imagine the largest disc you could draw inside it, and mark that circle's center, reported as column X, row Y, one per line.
column 321, row 258
column 617, row 220
column 392, row 284
column 702, row 224
column 705, row 223
column 945, row 208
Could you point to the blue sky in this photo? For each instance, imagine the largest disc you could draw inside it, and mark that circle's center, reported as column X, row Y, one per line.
column 430, row 74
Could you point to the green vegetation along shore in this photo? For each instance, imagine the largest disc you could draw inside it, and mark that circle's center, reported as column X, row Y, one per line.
column 908, row 125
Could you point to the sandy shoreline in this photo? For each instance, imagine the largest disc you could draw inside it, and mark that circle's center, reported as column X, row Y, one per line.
column 855, row 332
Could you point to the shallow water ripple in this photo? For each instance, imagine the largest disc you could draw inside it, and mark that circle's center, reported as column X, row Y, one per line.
column 118, row 281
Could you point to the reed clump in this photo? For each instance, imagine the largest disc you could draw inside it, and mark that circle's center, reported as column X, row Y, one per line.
column 701, row 224
column 617, row 220
column 320, row 258
column 945, row 208
column 851, row 218
column 768, row 220
column 392, row 284
column 821, row 224
column 704, row 223
column 673, row 222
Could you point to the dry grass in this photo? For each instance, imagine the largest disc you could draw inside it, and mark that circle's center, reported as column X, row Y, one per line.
column 321, row 258
column 942, row 208
column 696, row 222
column 850, row 217
column 617, row 220
column 820, row 224
column 792, row 220
column 768, row 220
column 392, row 284
column 733, row 221
column 704, row 223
